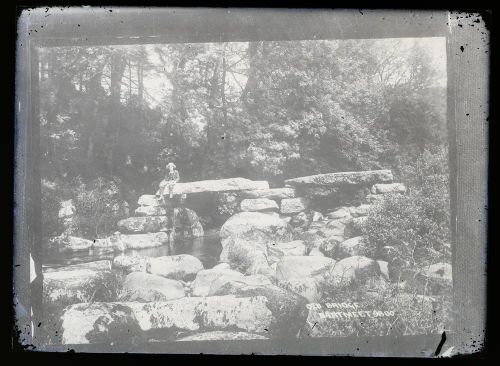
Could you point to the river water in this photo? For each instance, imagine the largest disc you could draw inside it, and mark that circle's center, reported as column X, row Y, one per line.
column 207, row 249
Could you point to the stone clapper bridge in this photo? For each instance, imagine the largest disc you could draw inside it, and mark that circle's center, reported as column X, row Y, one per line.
column 154, row 224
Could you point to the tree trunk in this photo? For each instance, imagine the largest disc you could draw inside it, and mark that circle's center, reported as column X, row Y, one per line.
column 140, row 76
column 252, row 52
column 118, row 64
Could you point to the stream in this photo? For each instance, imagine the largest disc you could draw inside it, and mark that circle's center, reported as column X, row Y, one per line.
column 207, row 249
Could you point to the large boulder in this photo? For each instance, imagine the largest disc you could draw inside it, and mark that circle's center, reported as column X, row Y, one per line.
column 288, row 308
column 307, row 287
column 218, row 185
column 258, row 204
column 248, row 257
column 143, row 224
column 177, row 267
column 242, row 281
column 256, row 227
column 103, row 265
column 329, row 247
column 315, row 252
column 291, row 267
column 350, row 247
column 279, row 250
column 294, row 205
column 70, row 243
column 204, row 279
column 220, row 335
column 388, row 188
column 250, row 314
column 66, row 286
column 272, row 193
column 222, row 266
column 130, row 263
column 356, row 268
column 145, row 287
column 99, row 322
column 343, row 178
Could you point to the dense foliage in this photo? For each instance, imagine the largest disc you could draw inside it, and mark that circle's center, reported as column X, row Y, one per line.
column 262, row 110
column 415, row 225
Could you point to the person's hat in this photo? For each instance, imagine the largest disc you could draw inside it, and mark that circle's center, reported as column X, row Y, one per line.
column 171, row 164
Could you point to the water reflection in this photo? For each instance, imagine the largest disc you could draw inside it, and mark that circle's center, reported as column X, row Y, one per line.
column 206, row 249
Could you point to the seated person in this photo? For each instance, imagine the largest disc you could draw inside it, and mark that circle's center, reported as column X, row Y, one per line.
column 171, row 178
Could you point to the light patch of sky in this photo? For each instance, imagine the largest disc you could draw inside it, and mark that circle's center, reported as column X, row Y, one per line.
column 159, row 86
column 432, row 47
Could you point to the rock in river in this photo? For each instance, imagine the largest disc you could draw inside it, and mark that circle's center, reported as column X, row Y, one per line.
column 140, row 241
column 143, row 224
column 256, row 227
column 70, row 243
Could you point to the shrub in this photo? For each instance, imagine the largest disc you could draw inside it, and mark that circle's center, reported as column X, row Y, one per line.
column 417, row 224
column 240, row 258
column 51, row 224
column 98, row 207
column 227, row 205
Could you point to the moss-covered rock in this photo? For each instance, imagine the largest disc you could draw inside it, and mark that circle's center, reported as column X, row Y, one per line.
column 288, row 308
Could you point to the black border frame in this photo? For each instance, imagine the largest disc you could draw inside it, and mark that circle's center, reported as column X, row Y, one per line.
column 467, row 95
